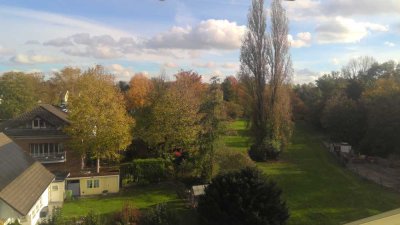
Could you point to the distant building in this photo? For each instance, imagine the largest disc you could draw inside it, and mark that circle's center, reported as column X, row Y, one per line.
column 40, row 133
column 25, row 185
column 342, row 147
column 195, row 193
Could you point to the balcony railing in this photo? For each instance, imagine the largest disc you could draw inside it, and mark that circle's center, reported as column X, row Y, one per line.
column 51, row 157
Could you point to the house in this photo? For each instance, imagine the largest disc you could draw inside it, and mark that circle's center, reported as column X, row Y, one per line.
column 25, row 185
column 40, row 133
column 387, row 218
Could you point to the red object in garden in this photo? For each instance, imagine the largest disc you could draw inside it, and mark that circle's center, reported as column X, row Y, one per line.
column 177, row 154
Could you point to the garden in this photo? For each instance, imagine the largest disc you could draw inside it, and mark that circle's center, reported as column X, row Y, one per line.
column 317, row 189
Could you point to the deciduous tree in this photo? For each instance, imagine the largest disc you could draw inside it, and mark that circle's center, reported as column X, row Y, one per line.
column 99, row 122
column 19, row 92
column 138, row 95
column 174, row 117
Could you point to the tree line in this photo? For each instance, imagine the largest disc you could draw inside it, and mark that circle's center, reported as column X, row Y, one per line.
column 358, row 105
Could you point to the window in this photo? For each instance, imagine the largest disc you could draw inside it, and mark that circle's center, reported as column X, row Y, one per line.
column 38, row 123
column 54, row 188
column 96, row 183
column 46, row 149
column 93, row 183
column 89, row 183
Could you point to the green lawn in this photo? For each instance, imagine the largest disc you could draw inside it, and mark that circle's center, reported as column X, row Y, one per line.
column 141, row 197
column 237, row 139
column 317, row 189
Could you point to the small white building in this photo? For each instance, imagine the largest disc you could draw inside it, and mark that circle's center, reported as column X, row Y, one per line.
column 24, row 185
column 195, row 193
column 342, row 147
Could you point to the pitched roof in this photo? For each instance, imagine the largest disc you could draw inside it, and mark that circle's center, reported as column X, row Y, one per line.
column 45, row 111
column 22, row 179
column 56, row 111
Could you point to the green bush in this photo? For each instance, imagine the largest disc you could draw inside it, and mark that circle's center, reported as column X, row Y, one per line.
column 229, row 160
column 144, row 171
column 55, row 219
column 242, row 197
column 159, row 215
column 15, row 222
column 267, row 150
column 233, row 110
column 68, row 195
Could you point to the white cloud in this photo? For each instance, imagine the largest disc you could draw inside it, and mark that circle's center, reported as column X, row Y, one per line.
column 344, row 30
column 98, row 52
column 303, row 40
column 97, row 46
column 304, row 9
column 335, row 61
column 33, row 59
column 230, row 65
column 389, row 44
column 178, row 42
column 51, row 24
column 208, row 34
column 59, row 42
column 6, row 51
column 316, row 9
column 397, row 27
column 32, row 42
column 170, row 65
column 208, row 65
column 361, row 7
column 305, row 76
column 120, row 72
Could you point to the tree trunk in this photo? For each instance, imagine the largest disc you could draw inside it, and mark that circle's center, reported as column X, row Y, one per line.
column 98, row 165
column 83, row 161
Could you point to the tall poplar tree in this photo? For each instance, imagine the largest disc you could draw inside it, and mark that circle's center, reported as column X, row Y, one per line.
column 265, row 73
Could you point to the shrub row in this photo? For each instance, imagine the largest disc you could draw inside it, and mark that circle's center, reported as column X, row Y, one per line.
column 144, row 171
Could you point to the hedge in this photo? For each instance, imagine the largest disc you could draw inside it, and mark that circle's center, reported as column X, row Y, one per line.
column 141, row 171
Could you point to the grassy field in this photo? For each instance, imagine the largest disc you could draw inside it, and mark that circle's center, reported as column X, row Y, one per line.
column 317, row 189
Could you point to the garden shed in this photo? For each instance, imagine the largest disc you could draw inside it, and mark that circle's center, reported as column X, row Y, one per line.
column 195, row 193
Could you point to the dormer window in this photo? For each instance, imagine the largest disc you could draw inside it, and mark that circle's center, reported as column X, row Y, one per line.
column 38, row 123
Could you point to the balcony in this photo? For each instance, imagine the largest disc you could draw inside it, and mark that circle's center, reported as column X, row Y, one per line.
column 51, row 157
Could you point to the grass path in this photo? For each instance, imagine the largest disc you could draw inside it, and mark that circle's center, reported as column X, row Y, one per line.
column 318, row 190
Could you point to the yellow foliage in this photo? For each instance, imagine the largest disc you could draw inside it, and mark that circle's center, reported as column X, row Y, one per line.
column 138, row 95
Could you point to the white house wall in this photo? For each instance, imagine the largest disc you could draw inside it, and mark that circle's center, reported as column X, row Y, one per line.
column 34, row 214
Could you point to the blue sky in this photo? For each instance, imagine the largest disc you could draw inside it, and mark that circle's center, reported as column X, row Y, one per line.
column 129, row 37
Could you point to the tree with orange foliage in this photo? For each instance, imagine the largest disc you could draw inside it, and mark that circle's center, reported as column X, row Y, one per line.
column 190, row 80
column 138, row 95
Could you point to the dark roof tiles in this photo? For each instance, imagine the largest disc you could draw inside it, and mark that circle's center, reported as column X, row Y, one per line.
column 22, row 179
column 49, row 113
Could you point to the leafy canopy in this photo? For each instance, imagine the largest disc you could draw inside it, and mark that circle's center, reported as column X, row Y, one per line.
column 99, row 121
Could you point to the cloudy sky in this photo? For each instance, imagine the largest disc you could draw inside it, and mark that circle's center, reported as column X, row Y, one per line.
column 130, row 36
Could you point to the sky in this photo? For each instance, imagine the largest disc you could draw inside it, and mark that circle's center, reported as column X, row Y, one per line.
column 150, row 36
